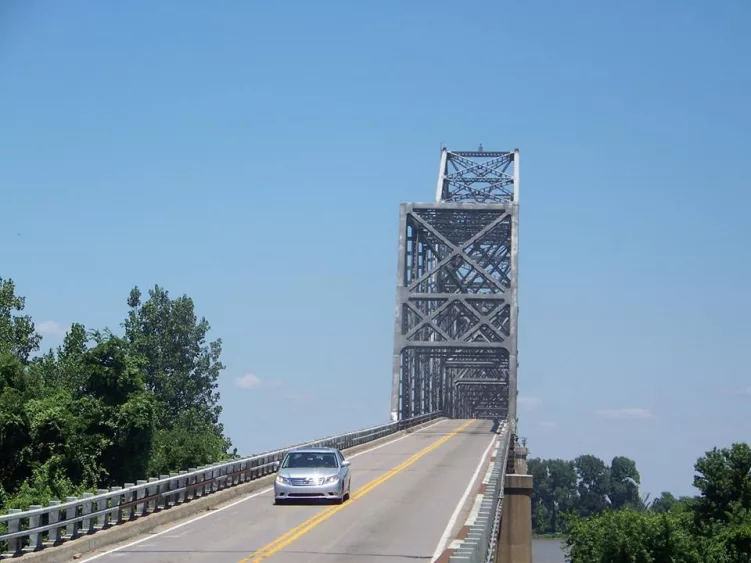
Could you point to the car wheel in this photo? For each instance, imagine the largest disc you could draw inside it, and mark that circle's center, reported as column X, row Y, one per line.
column 345, row 493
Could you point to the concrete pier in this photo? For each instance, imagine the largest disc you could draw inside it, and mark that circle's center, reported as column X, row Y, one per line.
column 515, row 543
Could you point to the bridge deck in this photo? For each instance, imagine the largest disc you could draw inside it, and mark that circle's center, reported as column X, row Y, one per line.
column 404, row 493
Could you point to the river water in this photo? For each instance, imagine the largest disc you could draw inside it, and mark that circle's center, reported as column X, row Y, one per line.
column 547, row 551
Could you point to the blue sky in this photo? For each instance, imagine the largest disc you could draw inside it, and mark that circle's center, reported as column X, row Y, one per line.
column 254, row 154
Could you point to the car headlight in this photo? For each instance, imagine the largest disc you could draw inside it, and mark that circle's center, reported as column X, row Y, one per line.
column 332, row 479
column 281, row 480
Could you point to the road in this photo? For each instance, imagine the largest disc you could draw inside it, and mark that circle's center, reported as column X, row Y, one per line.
column 404, row 494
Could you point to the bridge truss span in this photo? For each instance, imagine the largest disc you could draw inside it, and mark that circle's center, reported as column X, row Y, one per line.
column 456, row 316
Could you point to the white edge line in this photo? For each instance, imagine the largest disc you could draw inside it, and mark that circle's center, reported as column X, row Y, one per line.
column 254, row 495
column 455, row 516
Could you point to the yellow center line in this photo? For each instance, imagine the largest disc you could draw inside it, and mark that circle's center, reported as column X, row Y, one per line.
column 298, row 531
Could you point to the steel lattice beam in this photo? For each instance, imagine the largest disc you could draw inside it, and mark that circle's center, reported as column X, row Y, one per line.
column 455, row 342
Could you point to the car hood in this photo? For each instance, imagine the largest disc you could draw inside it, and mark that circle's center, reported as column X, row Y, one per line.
column 304, row 473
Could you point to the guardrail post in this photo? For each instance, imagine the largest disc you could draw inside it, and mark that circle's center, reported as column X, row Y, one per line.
column 100, row 520
column 220, row 475
column 181, row 484
column 141, row 506
column 87, row 524
column 116, row 515
column 35, row 538
column 200, row 484
column 54, row 518
column 152, row 490
column 207, row 483
column 71, row 512
column 249, row 465
column 173, row 484
column 14, row 544
column 213, row 480
column 191, row 494
column 162, row 501
column 164, row 489
column 130, row 509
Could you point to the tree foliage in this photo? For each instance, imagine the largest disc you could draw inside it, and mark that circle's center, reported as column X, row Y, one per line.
column 554, row 494
column 623, row 489
column 181, row 370
column 724, row 481
column 17, row 333
column 584, row 487
column 103, row 409
column 713, row 527
column 628, row 536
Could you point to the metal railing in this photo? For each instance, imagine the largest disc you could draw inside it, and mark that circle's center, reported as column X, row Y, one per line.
column 481, row 541
column 40, row 527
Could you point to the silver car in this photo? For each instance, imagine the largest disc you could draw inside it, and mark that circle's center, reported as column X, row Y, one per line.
column 312, row 473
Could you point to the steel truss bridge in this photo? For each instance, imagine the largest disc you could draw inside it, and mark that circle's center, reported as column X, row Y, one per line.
column 433, row 484
column 455, row 342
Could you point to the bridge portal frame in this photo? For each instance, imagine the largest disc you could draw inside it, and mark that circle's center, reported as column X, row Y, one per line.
column 455, row 334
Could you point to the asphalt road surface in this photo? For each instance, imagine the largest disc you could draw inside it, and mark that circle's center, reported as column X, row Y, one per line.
column 404, row 494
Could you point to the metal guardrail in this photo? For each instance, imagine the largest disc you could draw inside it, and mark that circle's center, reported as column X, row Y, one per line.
column 481, row 542
column 40, row 527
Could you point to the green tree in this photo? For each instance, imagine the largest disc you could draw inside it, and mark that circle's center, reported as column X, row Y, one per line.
column 714, row 527
column 593, row 485
column 554, row 493
column 114, row 388
column 723, row 479
column 181, row 370
column 541, row 495
column 563, row 481
column 63, row 368
column 17, row 333
column 624, row 483
column 722, row 511
column 628, row 536
column 16, row 388
column 664, row 503
column 64, row 438
column 101, row 409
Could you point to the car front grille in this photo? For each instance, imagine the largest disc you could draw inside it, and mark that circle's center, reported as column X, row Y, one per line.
column 304, row 482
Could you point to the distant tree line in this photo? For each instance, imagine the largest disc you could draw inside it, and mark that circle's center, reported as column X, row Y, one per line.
column 586, row 487
column 104, row 409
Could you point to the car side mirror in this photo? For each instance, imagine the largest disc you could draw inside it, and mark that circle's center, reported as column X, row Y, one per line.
column 276, row 465
column 345, row 463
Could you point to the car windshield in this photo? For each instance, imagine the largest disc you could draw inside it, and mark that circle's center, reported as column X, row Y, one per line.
column 310, row 459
